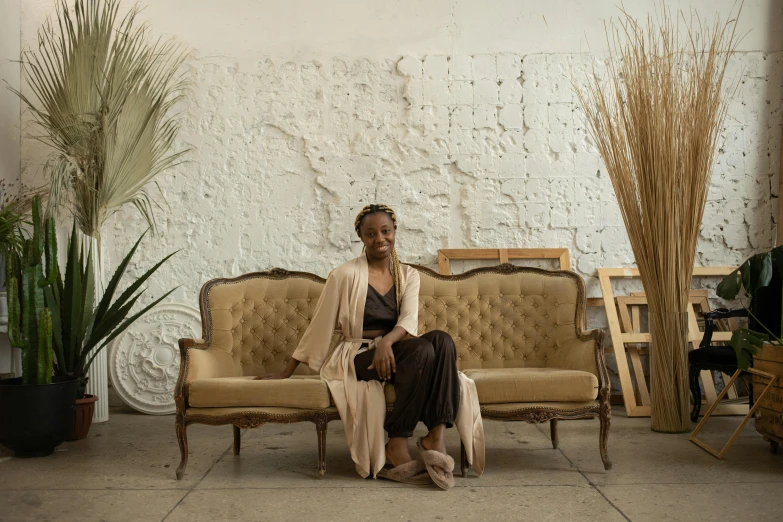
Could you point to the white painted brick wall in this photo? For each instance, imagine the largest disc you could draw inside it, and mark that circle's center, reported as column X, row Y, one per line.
column 472, row 151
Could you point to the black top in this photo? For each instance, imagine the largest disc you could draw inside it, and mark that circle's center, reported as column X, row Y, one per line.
column 380, row 311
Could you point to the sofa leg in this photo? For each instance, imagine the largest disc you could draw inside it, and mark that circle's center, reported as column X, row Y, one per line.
column 553, row 433
column 321, row 423
column 606, row 421
column 463, row 457
column 237, row 439
column 182, row 439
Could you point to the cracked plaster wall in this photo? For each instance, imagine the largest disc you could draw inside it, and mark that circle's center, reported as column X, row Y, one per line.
column 471, row 151
column 475, row 141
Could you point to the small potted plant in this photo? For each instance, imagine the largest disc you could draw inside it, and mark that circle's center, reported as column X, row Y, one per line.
column 760, row 345
column 82, row 329
column 36, row 410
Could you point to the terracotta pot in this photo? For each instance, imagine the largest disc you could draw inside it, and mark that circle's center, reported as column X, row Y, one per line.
column 83, row 417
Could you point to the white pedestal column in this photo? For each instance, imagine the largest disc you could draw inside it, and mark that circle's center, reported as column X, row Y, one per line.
column 98, row 383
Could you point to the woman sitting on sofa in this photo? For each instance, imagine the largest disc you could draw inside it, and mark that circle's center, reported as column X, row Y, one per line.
column 373, row 302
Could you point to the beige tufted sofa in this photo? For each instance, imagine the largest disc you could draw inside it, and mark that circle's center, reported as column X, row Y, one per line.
column 517, row 330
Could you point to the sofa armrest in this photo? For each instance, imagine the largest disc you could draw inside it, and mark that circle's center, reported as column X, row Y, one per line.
column 585, row 352
column 197, row 361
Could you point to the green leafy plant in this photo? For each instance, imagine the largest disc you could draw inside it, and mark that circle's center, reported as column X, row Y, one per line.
column 11, row 221
column 755, row 273
column 81, row 329
column 14, row 217
column 53, row 317
column 102, row 95
column 29, row 320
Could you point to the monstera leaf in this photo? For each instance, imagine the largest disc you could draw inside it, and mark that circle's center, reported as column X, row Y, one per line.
column 746, row 344
column 753, row 274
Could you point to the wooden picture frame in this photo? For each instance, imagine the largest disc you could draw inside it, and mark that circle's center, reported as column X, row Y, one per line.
column 635, row 405
column 628, row 308
column 720, row 453
column 504, row 255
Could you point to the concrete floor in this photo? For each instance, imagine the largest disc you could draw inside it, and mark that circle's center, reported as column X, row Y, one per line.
column 124, row 470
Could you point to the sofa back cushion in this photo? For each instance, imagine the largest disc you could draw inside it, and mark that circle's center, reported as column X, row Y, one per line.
column 257, row 320
column 500, row 317
column 503, row 317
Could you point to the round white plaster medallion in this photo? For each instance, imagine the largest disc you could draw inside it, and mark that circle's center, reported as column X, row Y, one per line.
column 144, row 360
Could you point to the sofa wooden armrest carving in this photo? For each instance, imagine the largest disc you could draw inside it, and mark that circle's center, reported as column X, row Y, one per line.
column 517, row 330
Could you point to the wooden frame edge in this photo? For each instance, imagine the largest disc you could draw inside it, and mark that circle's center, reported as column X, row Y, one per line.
column 445, row 255
column 703, row 445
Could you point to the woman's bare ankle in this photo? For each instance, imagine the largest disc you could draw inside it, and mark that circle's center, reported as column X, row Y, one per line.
column 397, row 451
column 435, row 440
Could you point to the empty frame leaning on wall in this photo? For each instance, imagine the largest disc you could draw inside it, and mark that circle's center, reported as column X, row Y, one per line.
column 635, row 403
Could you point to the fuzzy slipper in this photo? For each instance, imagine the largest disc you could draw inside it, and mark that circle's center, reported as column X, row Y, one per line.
column 439, row 465
column 412, row 472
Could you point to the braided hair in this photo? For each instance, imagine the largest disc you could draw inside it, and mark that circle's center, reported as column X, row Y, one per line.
column 395, row 261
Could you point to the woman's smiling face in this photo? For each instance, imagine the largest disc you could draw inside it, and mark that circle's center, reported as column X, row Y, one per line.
column 377, row 234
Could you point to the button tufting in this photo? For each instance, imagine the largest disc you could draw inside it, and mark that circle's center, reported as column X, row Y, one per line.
column 285, row 300
column 241, row 320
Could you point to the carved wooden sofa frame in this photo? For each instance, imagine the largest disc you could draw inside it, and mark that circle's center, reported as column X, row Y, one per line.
column 246, row 418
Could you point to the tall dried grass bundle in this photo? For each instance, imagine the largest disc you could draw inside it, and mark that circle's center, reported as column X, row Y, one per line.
column 656, row 123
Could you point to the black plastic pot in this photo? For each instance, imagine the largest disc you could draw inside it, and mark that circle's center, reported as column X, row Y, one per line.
column 35, row 419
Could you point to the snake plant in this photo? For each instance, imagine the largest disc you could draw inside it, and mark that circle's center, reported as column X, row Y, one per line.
column 81, row 329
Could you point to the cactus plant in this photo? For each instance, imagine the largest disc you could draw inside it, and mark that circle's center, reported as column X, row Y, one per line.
column 29, row 320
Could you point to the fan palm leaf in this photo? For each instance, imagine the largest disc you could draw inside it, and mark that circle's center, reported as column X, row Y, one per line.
column 103, row 93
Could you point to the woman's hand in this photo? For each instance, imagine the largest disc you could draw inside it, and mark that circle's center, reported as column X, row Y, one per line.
column 281, row 375
column 383, row 362
column 285, row 374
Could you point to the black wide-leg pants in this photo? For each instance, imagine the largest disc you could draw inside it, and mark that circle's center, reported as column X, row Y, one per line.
column 426, row 384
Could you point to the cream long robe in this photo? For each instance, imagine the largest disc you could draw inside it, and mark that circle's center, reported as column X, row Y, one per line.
column 361, row 404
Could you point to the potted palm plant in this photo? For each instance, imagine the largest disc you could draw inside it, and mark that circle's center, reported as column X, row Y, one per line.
column 759, row 278
column 102, row 97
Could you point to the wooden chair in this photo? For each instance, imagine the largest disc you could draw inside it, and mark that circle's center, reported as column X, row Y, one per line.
column 711, row 357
